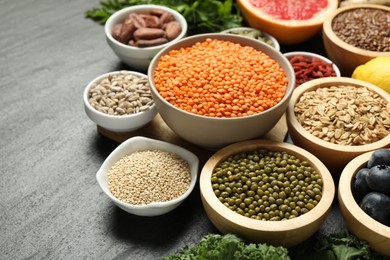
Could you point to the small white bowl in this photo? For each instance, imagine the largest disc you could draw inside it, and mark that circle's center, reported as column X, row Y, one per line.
column 139, row 143
column 305, row 54
column 275, row 42
column 116, row 123
column 135, row 57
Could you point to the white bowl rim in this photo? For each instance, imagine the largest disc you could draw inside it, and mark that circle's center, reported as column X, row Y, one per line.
column 315, row 55
column 345, row 191
column 321, row 209
column 287, row 96
column 327, row 28
column 335, row 147
column 144, row 7
column 163, row 146
column 272, row 38
column 152, row 108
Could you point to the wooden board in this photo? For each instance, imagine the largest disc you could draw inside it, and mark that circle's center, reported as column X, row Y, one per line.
column 158, row 129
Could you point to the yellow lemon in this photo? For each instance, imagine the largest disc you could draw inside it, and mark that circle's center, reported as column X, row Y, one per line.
column 375, row 71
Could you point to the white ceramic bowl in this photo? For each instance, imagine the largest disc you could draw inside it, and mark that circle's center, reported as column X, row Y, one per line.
column 280, row 232
column 116, row 123
column 139, row 143
column 275, row 42
column 357, row 221
column 135, row 57
column 210, row 132
column 310, row 55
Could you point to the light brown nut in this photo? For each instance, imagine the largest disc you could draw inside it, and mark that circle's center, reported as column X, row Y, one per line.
column 172, row 30
column 148, row 33
column 116, row 30
column 151, row 21
column 150, row 43
column 156, row 12
column 127, row 31
column 138, row 21
column 166, row 18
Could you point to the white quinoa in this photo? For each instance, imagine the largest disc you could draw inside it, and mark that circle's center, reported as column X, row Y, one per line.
column 149, row 176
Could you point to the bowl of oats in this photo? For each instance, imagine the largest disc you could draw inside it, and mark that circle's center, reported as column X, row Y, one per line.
column 148, row 177
column 339, row 118
column 119, row 101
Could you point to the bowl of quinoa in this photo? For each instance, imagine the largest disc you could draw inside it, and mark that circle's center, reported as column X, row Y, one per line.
column 148, row 177
column 339, row 118
column 216, row 89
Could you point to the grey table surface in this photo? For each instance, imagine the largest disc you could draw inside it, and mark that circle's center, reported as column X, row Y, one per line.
column 50, row 204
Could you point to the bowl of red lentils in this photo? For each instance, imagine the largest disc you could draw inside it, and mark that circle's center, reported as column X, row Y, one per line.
column 339, row 118
column 355, row 34
column 119, row 101
column 309, row 65
column 266, row 192
column 216, row 89
column 148, row 177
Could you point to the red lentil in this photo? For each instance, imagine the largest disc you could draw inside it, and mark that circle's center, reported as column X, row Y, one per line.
column 306, row 69
column 219, row 78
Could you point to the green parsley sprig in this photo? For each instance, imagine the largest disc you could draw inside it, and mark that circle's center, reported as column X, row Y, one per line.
column 203, row 16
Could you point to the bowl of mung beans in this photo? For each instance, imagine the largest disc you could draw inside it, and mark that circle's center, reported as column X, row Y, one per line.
column 119, row 101
column 266, row 192
column 255, row 34
column 216, row 89
column 360, row 222
column 339, row 118
column 148, row 177
column 355, row 34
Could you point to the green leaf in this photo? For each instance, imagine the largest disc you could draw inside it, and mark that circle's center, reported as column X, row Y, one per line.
column 203, row 16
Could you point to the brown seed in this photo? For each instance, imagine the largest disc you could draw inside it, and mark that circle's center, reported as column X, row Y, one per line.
column 127, row 31
column 138, row 21
column 148, row 34
column 172, row 30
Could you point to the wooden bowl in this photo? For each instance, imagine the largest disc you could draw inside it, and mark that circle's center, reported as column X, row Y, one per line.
column 334, row 156
column 279, row 233
column 357, row 221
column 346, row 56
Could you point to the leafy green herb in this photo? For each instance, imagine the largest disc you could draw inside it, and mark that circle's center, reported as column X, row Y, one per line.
column 340, row 245
column 203, row 16
column 228, row 247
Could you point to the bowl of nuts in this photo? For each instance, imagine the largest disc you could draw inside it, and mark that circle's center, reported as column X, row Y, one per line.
column 266, row 192
column 339, row 118
column 138, row 32
column 355, row 34
column 215, row 89
column 148, row 177
column 119, row 101
column 364, row 198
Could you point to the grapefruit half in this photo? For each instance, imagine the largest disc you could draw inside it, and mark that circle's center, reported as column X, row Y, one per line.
column 289, row 21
